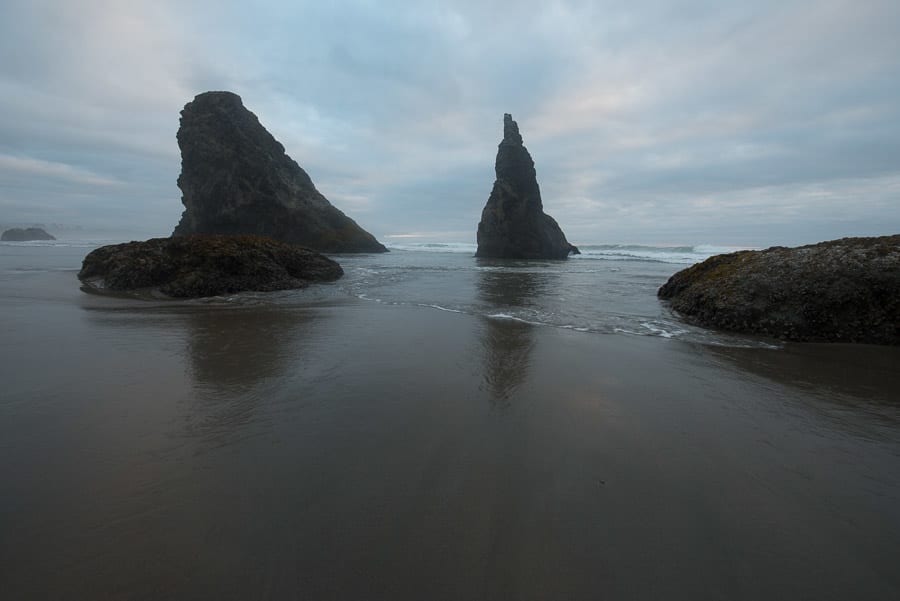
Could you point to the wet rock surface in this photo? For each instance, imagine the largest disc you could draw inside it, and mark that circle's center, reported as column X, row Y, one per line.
column 203, row 265
column 845, row 290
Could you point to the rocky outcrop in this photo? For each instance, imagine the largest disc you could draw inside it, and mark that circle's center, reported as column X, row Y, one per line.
column 203, row 265
column 513, row 223
column 236, row 179
column 844, row 290
column 25, row 235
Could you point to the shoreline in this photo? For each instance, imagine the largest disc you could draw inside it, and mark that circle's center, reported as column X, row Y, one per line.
column 329, row 446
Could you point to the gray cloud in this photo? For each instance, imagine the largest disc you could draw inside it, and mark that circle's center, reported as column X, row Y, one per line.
column 748, row 122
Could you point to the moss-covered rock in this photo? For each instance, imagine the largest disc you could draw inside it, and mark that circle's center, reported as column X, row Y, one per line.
column 204, row 265
column 844, row 290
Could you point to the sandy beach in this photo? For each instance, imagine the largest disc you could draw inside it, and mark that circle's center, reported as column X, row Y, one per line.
column 341, row 449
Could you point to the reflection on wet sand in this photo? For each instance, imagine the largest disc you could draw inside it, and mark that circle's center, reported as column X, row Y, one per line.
column 850, row 372
column 234, row 354
column 232, row 350
column 507, row 346
column 508, row 342
column 848, row 384
column 230, row 355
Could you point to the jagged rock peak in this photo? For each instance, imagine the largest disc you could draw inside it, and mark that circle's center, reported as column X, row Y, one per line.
column 237, row 179
column 513, row 223
column 511, row 133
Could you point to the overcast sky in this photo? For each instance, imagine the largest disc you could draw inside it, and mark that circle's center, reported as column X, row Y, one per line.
column 681, row 122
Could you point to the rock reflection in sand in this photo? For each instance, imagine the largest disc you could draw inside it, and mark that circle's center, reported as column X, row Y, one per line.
column 507, row 336
column 232, row 350
column 234, row 355
column 853, row 386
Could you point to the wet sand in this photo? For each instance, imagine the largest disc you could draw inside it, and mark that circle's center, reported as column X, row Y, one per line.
column 352, row 450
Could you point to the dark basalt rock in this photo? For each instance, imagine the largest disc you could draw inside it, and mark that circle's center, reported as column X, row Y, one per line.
column 236, row 179
column 25, row 235
column 203, row 265
column 513, row 223
column 844, row 290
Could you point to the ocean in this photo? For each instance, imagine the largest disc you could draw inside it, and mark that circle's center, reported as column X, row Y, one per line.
column 607, row 289
column 436, row 426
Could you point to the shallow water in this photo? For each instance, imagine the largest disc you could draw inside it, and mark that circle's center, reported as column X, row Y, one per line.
column 605, row 290
column 316, row 444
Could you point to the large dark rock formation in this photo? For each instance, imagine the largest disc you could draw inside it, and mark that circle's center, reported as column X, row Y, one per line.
column 844, row 290
column 203, row 265
column 513, row 223
column 236, row 179
column 25, row 235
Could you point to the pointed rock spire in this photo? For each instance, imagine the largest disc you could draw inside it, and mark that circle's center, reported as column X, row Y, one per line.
column 513, row 223
column 511, row 133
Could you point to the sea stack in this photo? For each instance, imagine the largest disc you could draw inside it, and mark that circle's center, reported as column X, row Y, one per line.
column 237, row 179
column 513, row 223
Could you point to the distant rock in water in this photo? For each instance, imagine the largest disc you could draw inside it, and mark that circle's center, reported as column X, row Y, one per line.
column 236, row 179
column 204, row 265
column 513, row 223
column 24, row 235
column 844, row 290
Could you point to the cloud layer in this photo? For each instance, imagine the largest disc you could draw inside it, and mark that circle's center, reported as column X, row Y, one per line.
column 657, row 122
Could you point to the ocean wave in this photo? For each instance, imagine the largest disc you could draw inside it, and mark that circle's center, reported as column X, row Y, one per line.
column 508, row 317
column 664, row 330
column 679, row 255
column 439, row 308
column 436, row 247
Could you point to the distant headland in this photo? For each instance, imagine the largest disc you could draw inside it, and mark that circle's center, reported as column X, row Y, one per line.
column 25, row 235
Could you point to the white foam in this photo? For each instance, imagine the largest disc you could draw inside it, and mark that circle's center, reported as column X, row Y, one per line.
column 436, row 247
column 658, row 330
column 368, row 298
column 575, row 328
column 440, row 308
column 514, row 318
column 679, row 255
column 501, row 316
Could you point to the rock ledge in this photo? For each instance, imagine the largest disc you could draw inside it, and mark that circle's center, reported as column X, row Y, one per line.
column 845, row 290
column 203, row 265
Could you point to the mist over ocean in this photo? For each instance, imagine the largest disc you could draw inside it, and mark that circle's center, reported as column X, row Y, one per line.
column 434, row 426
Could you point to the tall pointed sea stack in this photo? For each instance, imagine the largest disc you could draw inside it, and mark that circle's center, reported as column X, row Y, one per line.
column 236, row 179
column 513, row 223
